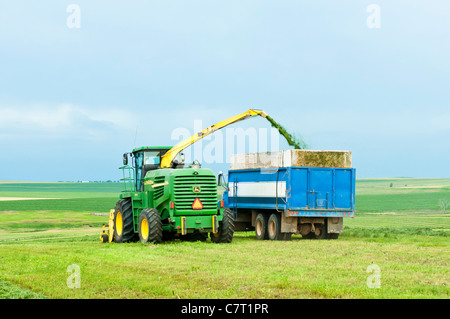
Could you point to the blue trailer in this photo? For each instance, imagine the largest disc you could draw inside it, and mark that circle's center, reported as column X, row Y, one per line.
column 279, row 202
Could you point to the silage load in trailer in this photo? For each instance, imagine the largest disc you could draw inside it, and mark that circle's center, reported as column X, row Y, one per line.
column 292, row 158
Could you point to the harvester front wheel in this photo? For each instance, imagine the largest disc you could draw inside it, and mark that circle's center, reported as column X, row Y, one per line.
column 123, row 221
column 226, row 228
column 150, row 226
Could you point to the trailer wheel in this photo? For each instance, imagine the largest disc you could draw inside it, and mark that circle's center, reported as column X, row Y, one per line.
column 309, row 236
column 261, row 226
column 333, row 236
column 123, row 221
column 321, row 231
column 286, row 236
column 330, row 235
column 324, row 234
column 150, row 226
column 274, row 228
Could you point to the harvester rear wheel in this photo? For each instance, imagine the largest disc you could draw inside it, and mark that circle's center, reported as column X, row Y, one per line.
column 150, row 226
column 226, row 228
column 123, row 221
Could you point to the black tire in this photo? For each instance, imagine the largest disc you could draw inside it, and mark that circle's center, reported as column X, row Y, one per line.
column 321, row 228
column 226, row 228
column 286, row 236
column 123, row 225
column 323, row 231
column 333, row 236
column 329, row 235
column 324, row 234
column 309, row 236
column 105, row 238
column 274, row 228
column 261, row 226
column 150, row 226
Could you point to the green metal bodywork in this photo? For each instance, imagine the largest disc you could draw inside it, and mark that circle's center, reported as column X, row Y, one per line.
column 162, row 187
column 150, row 148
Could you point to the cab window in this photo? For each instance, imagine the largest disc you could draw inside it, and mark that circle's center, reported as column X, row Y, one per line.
column 152, row 158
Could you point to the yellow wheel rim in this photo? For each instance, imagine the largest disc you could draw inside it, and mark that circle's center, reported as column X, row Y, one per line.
column 144, row 228
column 119, row 224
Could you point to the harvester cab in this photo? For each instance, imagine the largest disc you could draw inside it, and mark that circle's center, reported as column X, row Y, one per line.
column 149, row 158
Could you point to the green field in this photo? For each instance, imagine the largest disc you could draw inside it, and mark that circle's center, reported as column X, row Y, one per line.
column 400, row 226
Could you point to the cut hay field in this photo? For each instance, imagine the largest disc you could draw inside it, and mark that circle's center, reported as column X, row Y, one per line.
column 400, row 229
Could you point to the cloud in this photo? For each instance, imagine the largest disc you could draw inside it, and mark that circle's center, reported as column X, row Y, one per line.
column 62, row 121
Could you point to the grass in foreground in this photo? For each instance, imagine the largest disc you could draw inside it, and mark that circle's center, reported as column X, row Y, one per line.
column 410, row 246
column 9, row 291
column 411, row 267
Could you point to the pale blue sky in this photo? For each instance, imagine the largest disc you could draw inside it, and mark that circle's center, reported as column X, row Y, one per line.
column 71, row 99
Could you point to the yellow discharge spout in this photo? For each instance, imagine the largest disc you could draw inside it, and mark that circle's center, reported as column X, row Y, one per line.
column 166, row 160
